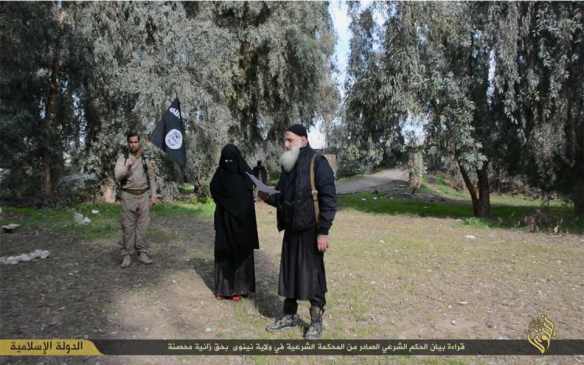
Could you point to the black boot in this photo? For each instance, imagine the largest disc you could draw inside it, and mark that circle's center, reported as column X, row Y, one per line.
column 314, row 332
column 289, row 320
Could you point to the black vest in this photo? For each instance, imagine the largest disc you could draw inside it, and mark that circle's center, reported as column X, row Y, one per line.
column 296, row 209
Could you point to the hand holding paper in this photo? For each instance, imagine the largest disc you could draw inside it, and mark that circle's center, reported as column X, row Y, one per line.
column 261, row 186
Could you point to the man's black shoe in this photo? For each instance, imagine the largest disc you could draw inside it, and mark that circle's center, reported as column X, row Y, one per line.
column 314, row 332
column 286, row 322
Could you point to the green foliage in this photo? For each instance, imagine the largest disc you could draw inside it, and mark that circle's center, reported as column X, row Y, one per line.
column 540, row 87
column 501, row 84
column 242, row 70
column 369, row 130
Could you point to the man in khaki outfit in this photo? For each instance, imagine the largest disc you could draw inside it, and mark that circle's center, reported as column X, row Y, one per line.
column 136, row 177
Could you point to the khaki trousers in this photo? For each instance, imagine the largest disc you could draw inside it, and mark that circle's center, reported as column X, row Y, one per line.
column 135, row 219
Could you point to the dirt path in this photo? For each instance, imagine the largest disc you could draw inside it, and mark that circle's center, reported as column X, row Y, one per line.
column 392, row 277
column 391, row 183
column 369, row 182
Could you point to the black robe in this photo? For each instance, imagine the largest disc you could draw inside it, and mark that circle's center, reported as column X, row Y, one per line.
column 302, row 272
column 236, row 233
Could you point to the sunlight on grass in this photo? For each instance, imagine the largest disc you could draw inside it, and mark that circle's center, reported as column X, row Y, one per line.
column 506, row 211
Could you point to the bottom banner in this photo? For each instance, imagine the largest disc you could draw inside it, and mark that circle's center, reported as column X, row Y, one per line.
column 96, row 347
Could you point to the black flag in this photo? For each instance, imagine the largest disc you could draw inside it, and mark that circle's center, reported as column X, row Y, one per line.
column 169, row 134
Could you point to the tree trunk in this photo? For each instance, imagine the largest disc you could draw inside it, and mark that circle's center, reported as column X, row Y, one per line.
column 578, row 197
column 484, row 201
column 415, row 167
column 47, row 188
column 48, row 143
column 471, row 189
column 47, row 177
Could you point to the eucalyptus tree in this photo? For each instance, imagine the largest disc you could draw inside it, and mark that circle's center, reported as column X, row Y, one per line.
column 243, row 71
column 540, row 93
column 39, row 71
column 362, row 116
column 82, row 73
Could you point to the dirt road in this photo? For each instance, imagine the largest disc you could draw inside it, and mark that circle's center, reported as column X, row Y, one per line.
column 370, row 182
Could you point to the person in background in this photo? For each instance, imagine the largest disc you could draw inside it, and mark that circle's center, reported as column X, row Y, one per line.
column 135, row 175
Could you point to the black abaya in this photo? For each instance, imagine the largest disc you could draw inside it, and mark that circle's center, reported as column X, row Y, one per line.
column 235, row 226
column 302, row 271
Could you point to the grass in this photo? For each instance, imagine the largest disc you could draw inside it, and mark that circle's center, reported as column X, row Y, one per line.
column 104, row 224
column 439, row 186
column 397, row 274
column 390, row 273
column 507, row 210
column 186, row 188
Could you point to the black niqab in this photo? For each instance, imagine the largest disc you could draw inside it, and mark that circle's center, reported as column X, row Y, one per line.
column 230, row 184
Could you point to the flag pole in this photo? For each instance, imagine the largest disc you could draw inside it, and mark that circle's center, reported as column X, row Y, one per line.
column 178, row 104
column 184, row 135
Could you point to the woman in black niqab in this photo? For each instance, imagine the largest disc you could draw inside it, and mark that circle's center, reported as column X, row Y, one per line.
column 236, row 234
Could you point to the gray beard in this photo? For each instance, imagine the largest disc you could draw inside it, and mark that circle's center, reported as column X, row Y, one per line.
column 288, row 158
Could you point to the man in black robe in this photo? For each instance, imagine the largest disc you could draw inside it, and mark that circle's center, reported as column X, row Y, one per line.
column 302, row 274
column 236, row 233
column 260, row 172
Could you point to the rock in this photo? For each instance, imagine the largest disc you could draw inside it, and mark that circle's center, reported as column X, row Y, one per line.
column 9, row 228
column 453, row 322
column 78, row 218
column 81, row 219
column 464, row 302
column 25, row 258
column 13, row 260
column 94, row 211
column 470, row 237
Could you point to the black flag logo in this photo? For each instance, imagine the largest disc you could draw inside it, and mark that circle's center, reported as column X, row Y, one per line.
column 169, row 134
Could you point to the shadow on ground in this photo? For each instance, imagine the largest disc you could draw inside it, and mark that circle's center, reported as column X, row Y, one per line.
column 266, row 300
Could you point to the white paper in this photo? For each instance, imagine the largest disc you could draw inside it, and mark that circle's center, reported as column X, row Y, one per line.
column 261, row 186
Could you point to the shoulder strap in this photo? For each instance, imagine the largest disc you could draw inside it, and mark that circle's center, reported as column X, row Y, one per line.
column 313, row 187
column 145, row 167
column 123, row 181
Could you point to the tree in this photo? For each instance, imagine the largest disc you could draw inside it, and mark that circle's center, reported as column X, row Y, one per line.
column 87, row 72
column 362, row 118
column 38, row 73
column 541, row 93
